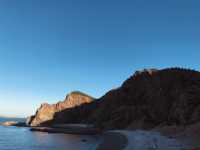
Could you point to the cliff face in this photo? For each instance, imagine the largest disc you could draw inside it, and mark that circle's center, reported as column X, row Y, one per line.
column 148, row 99
column 46, row 112
column 151, row 98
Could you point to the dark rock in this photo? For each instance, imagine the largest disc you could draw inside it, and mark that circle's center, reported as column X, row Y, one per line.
column 154, row 97
column 84, row 140
column 148, row 99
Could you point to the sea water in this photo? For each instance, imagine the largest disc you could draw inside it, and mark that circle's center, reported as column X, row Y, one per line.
column 20, row 138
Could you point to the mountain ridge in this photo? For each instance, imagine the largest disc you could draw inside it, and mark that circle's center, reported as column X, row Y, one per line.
column 47, row 111
column 147, row 99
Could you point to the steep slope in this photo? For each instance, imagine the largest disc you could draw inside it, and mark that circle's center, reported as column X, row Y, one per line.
column 147, row 99
column 150, row 98
column 46, row 112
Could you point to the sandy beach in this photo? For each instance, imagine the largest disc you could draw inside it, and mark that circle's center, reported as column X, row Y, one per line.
column 113, row 141
column 168, row 138
column 144, row 140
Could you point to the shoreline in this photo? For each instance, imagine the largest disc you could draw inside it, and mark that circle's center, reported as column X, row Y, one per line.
column 68, row 130
column 13, row 123
column 176, row 139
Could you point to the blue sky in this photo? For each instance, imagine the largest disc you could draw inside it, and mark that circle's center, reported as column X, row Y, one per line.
column 51, row 47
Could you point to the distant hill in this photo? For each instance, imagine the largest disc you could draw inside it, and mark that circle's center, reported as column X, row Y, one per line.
column 4, row 119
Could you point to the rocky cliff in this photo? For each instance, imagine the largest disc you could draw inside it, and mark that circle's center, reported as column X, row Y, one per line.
column 46, row 112
column 149, row 98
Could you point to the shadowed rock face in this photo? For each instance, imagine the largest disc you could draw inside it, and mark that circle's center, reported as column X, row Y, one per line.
column 147, row 99
column 46, row 112
column 150, row 98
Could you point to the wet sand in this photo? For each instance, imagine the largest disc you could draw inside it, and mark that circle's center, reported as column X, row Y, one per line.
column 69, row 130
column 167, row 138
column 140, row 140
column 189, row 135
column 113, row 141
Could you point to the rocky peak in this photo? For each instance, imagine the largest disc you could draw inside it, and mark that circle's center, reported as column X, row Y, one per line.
column 148, row 71
column 47, row 111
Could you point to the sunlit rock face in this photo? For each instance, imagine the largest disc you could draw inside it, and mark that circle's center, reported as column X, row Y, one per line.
column 46, row 112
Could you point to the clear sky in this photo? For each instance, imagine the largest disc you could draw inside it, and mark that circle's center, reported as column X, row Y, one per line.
column 51, row 47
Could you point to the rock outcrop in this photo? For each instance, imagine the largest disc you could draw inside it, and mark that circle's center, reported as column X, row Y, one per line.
column 148, row 99
column 9, row 123
column 151, row 98
column 46, row 112
column 13, row 123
